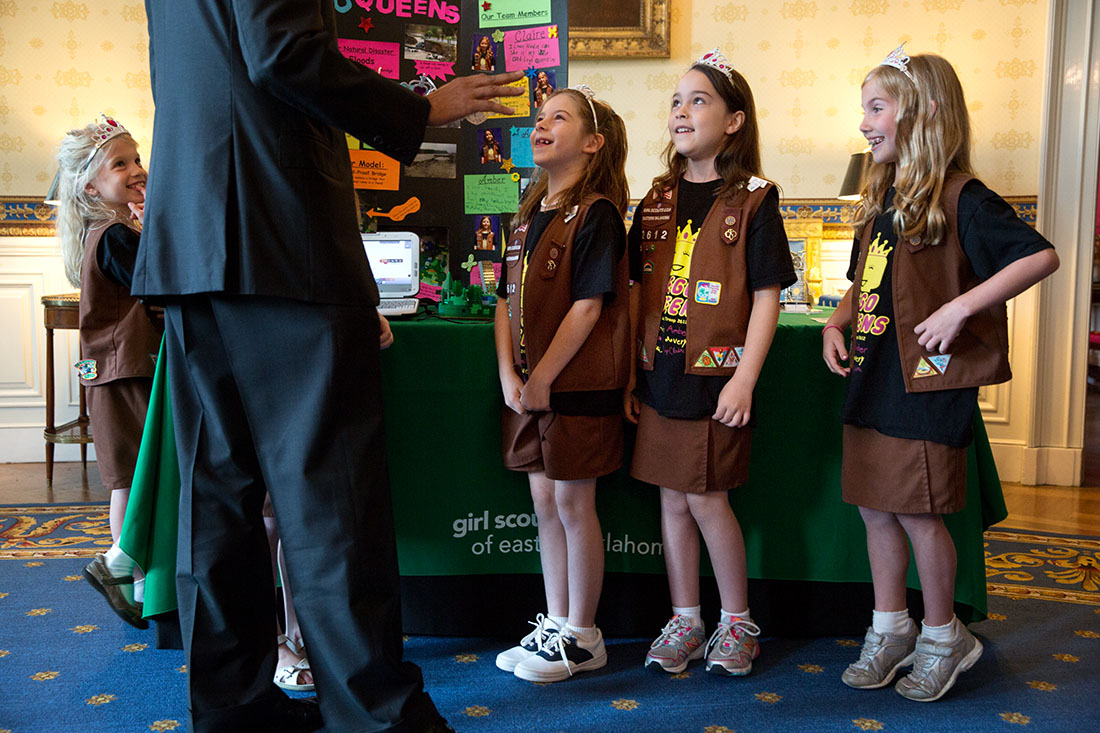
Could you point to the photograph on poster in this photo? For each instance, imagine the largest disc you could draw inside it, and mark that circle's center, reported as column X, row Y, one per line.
column 489, row 141
column 545, row 81
column 484, row 56
column 485, row 233
column 431, row 43
column 435, row 160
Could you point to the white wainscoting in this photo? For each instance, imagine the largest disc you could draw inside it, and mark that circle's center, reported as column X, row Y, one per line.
column 31, row 267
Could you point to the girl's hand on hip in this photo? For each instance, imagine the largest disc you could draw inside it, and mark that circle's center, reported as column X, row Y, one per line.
column 939, row 330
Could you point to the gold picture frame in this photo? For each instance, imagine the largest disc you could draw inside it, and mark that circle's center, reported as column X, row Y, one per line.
column 631, row 28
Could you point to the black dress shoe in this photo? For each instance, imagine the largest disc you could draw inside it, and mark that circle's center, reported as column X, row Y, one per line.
column 296, row 715
column 100, row 578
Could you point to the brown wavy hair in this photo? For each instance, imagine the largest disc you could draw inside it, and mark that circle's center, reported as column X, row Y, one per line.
column 932, row 141
column 739, row 158
column 605, row 174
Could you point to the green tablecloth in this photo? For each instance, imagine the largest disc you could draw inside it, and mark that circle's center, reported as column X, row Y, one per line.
column 458, row 512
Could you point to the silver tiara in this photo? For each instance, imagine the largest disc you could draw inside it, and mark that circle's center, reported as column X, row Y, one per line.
column 589, row 95
column 900, row 61
column 716, row 60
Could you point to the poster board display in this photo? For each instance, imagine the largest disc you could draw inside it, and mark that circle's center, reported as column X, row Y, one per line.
column 464, row 185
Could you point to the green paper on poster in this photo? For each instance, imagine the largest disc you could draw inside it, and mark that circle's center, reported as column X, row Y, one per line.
column 492, row 193
column 503, row 13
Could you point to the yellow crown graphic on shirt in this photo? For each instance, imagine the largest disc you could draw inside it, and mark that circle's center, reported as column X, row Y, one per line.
column 875, row 265
column 879, row 249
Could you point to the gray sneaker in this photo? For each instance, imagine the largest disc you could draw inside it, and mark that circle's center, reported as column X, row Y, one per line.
column 732, row 647
column 937, row 666
column 880, row 659
column 680, row 642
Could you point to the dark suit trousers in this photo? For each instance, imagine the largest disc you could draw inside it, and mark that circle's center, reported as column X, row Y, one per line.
column 277, row 395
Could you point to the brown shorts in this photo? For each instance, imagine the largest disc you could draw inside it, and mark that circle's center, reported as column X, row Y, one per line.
column 901, row 476
column 117, row 413
column 566, row 447
column 693, row 456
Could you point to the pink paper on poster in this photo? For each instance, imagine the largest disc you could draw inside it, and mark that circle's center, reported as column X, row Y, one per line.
column 475, row 274
column 432, row 292
column 385, row 58
column 537, row 47
column 435, row 69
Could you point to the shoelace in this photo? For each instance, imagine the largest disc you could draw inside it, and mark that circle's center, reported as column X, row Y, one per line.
column 734, row 629
column 538, row 634
column 675, row 625
column 556, row 641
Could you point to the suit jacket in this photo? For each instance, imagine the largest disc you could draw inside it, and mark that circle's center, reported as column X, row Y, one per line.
column 250, row 187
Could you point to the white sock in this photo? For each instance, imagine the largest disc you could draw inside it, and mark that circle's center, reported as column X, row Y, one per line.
column 583, row 633
column 559, row 621
column 939, row 634
column 891, row 622
column 695, row 613
column 139, row 590
column 118, row 562
column 727, row 617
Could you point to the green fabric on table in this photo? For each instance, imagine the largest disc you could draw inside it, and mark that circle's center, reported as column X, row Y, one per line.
column 152, row 511
column 459, row 512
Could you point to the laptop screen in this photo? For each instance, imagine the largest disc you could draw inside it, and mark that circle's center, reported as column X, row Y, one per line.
column 395, row 261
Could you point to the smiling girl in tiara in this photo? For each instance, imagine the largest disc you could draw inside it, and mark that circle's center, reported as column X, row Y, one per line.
column 710, row 255
column 563, row 350
column 102, row 194
column 935, row 257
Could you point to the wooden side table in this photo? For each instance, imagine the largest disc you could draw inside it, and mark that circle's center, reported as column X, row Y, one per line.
column 63, row 311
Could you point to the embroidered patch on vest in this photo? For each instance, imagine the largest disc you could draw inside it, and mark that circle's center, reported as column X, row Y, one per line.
column 924, row 369
column 940, row 362
column 642, row 354
column 512, row 253
column 719, row 353
column 647, row 268
column 708, row 292
column 705, row 360
column 755, row 183
column 731, row 359
column 739, row 351
column 656, row 215
column 86, row 369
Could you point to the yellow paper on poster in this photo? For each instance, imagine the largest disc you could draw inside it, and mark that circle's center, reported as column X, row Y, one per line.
column 521, row 104
column 374, row 170
column 353, row 142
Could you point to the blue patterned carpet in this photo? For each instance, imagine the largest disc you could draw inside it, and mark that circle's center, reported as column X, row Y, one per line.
column 68, row 664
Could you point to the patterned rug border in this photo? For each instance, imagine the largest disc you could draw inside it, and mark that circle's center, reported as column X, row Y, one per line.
column 1061, row 540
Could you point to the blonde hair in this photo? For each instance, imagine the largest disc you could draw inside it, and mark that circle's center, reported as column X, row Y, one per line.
column 78, row 163
column 932, row 141
column 605, row 173
column 739, row 158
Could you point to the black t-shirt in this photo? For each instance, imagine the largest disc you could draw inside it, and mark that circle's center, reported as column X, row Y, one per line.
column 667, row 389
column 597, row 249
column 117, row 253
column 993, row 237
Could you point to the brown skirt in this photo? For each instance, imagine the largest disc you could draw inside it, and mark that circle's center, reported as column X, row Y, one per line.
column 901, row 476
column 117, row 413
column 566, row 447
column 693, row 456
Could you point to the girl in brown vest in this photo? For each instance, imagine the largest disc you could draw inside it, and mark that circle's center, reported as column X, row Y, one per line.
column 563, row 351
column 709, row 251
column 102, row 193
column 937, row 256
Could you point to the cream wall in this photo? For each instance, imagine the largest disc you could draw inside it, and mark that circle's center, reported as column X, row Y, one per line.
column 805, row 60
column 61, row 63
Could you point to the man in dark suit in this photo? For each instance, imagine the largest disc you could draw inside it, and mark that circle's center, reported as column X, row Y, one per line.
column 272, row 338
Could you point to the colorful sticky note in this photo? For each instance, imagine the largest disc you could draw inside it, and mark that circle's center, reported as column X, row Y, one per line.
column 353, row 142
column 513, row 12
column 492, row 193
column 521, row 147
column 385, row 58
column 435, row 69
column 531, row 47
column 521, row 104
column 375, row 170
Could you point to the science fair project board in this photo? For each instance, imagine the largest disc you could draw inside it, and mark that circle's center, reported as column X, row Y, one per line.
column 465, row 184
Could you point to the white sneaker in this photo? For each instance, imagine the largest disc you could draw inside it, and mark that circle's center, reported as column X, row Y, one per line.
column 562, row 656
column 529, row 645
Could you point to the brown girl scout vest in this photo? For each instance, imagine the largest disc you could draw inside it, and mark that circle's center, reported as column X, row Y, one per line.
column 117, row 339
column 716, row 296
column 925, row 277
column 543, row 293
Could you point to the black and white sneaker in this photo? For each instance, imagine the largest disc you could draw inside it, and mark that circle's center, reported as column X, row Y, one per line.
column 562, row 656
column 529, row 645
